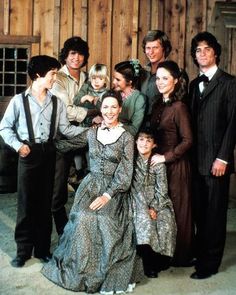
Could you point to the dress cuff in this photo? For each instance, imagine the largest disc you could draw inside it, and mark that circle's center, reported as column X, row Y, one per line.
column 107, row 195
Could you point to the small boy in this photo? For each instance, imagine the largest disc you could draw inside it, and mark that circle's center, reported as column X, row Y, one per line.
column 29, row 126
column 90, row 94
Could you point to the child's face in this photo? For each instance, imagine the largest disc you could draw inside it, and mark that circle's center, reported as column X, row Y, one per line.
column 48, row 80
column 145, row 144
column 98, row 82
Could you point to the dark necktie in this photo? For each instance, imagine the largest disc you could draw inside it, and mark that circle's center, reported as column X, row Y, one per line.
column 105, row 128
column 203, row 78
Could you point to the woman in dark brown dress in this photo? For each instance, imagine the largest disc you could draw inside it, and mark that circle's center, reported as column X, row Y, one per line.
column 171, row 120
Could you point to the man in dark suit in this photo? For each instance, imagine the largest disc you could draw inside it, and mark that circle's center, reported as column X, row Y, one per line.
column 213, row 108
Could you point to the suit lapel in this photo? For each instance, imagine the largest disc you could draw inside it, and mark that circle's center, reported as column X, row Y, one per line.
column 212, row 84
column 194, row 94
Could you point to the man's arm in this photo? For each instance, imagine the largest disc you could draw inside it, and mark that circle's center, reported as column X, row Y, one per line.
column 228, row 143
column 65, row 90
column 7, row 130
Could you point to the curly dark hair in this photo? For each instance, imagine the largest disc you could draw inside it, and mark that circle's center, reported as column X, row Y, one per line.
column 76, row 44
column 210, row 40
column 181, row 87
column 39, row 65
column 154, row 35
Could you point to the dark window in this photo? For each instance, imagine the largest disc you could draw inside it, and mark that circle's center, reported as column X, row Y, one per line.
column 13, row 65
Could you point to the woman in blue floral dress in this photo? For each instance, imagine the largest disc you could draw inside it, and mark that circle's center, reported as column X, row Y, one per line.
column 97, row 249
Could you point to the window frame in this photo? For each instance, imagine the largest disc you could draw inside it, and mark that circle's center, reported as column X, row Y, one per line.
column 17, row 41
column 14, row 84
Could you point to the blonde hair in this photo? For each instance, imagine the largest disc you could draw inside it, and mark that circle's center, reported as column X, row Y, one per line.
column 101, row 71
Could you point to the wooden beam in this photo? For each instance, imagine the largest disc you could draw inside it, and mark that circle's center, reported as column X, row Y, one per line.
column 134, row 49
column 6, row 17
column 56, row 28
column 144, row 27
column 99, row 33
column 6, row 39
column 157, row 15
column 1, row 18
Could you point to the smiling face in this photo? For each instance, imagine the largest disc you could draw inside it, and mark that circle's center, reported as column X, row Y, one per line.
column 110, row 110
column 145, row 145
column 154, row 51
column 165, row 82
column 48, row 80
column 74, row 60
column 119, row 82
column 205, row 56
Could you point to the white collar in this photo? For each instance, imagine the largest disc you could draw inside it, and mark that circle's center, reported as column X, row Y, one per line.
column 210, row 72
column 109, row 135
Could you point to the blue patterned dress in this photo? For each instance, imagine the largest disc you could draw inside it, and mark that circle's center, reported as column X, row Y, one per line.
column 150, row 190
column 97, row 250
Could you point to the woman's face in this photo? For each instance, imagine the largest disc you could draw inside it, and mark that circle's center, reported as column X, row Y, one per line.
column 165, row 82
column 119, row 82
column 145, row 144
column 110, row 110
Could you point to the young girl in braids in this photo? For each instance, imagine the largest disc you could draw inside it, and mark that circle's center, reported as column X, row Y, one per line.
column 154, row 218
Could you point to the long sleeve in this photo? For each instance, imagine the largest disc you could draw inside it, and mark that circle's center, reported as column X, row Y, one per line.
column 229, row 138
column 184, row 131
column 161, row 198
column 79, row 141
column 214, row 121
column 82, row 92
column 65, row 88
column 64, row 126
column 133, row 112
column 7, row 126
column 122, row 177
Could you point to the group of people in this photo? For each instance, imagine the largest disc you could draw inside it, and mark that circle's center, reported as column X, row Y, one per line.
column 159, row 153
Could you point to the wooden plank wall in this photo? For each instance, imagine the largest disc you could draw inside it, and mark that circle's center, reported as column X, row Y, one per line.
column 113, row 29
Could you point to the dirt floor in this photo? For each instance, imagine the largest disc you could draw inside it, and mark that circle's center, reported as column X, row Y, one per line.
column 29, row 281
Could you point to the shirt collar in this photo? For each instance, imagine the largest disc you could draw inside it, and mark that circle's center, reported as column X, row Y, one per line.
column 48, row 95
column 66, row 72
column 109, row 136
column 105, row 127
column 211, row 72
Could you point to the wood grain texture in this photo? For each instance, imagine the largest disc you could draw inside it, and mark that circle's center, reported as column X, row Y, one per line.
column 99, row 33
column 115, row 29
